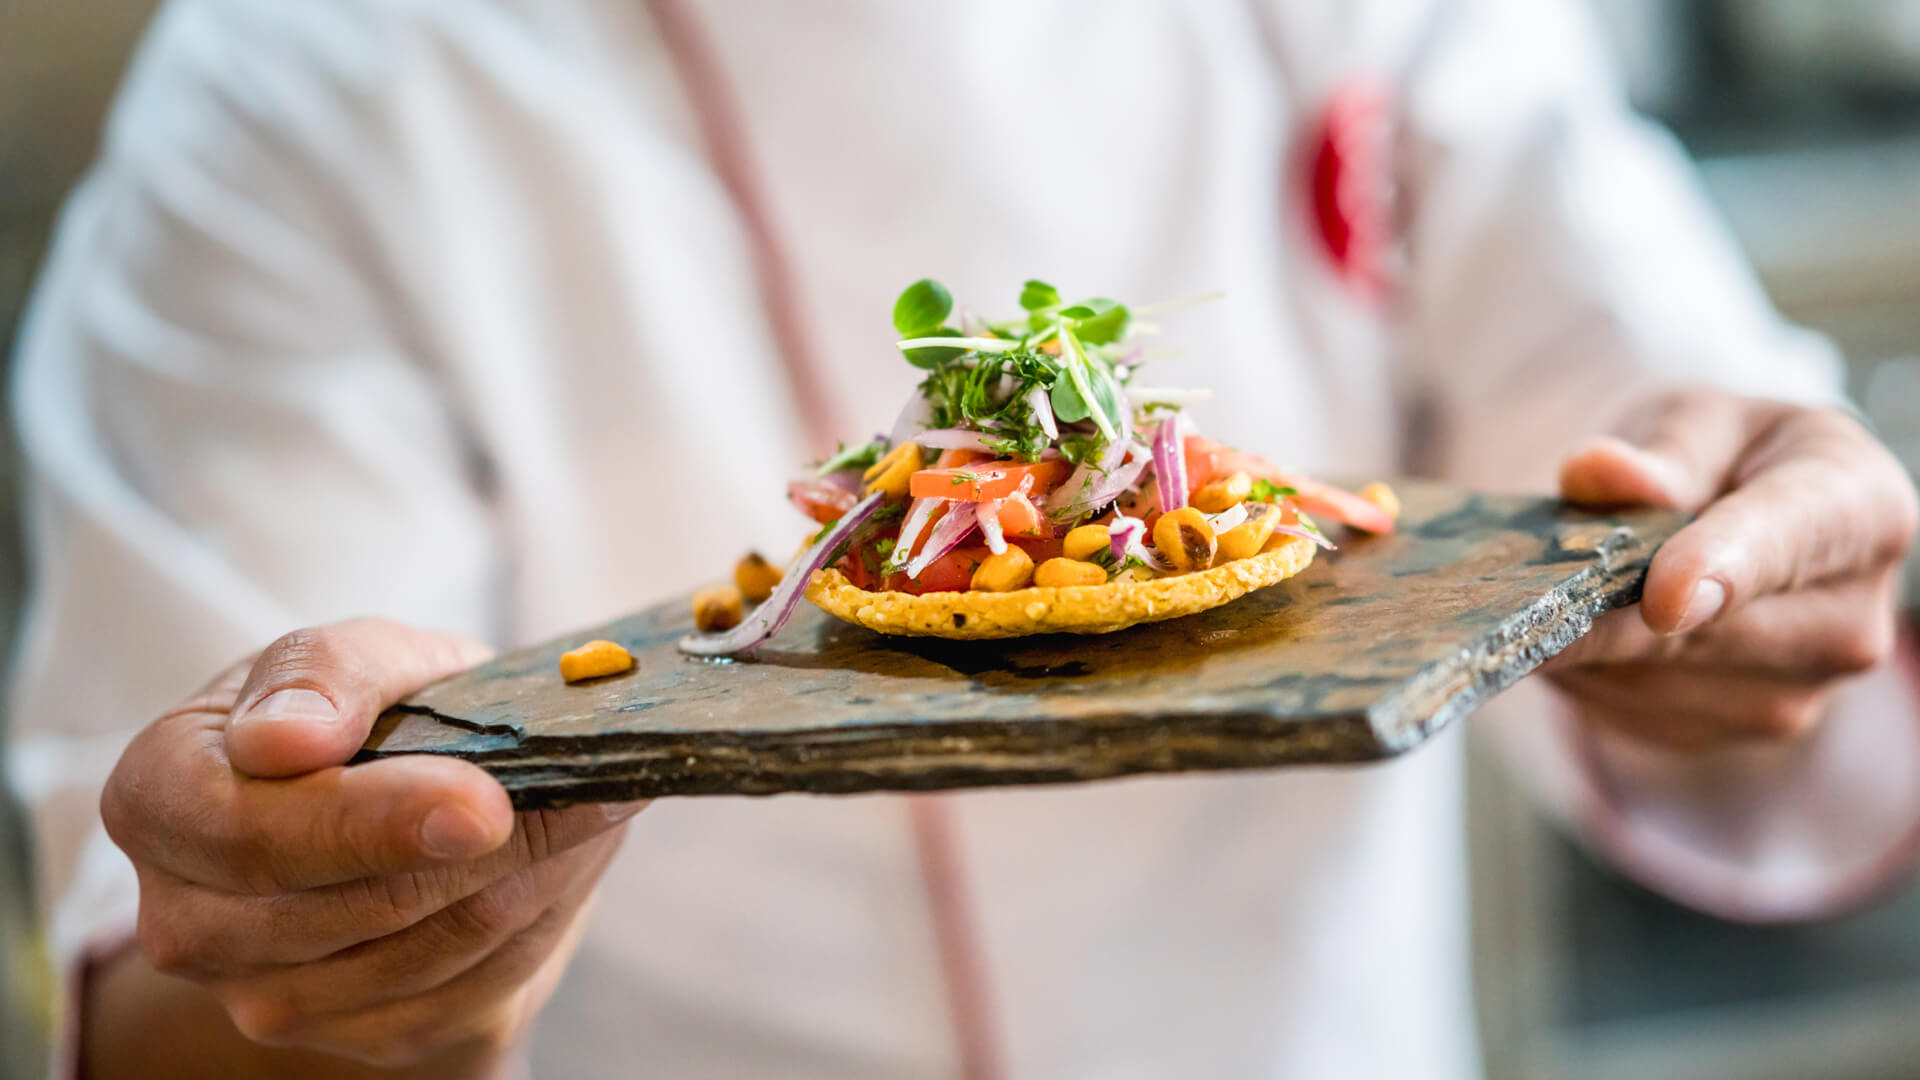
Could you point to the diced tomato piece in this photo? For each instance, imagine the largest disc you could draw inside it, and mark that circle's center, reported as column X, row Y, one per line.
column 819, row 500
column 1325, row 500
column 950, row 459
column 952, row 572
column 854, row 566
column 1208, row 461
column 987, row 480
column 1019, row 517
column 1039, row 549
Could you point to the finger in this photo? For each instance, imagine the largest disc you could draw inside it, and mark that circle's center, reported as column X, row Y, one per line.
column 432, row 952
column 312, row 696
column 1692, row 710
column 1817, row 500
column 1815, row 634
column 488, row 1001
column 189, row 930
column 174, row 803
column 1681, row 457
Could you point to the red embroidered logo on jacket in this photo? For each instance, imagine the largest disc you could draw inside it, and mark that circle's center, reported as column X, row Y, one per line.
column 1351, row 183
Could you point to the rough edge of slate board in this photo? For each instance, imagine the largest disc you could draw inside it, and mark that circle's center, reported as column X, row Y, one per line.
column 549, row 770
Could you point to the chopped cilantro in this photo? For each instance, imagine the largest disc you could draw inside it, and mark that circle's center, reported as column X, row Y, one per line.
column 1268, row 491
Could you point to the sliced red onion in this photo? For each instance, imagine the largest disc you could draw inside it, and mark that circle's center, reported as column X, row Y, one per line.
column 953, row 439
column 987, row 513
column 804, row 494
column 947, row 535
column 1136, row 544
column 1122, row 533
column 847, row 480
column 1091, row 487
column 1169, row 465
column 1042, row 407
column 1228, row 518
column 918, row 515
column 1145, row 554
column 1314, row 535
column 767, row 619
column 1083, row 474
column 914, row 416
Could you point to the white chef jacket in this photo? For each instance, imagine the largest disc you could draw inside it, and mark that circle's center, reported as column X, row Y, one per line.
column 459, row 312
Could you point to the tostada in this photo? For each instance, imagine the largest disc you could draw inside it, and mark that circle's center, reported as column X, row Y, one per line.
column 1033, row 485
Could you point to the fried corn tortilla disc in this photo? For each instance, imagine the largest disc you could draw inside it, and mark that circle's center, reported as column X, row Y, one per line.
column 1068, row 609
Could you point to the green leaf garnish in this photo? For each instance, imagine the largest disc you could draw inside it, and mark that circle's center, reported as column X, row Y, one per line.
column 1107, row 321
column 922, row 308
column 1038, row 296
column 1068, row 406
column 928, row 357
column 1079, row 371
column 1268, row 491
column 853, row 457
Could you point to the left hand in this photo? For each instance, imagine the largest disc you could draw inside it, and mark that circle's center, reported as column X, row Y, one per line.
column 1784, row 584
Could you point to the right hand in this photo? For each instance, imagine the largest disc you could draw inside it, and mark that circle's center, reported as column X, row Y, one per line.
column 389, row 912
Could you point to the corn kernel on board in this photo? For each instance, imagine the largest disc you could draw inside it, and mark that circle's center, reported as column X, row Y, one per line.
column 1361, row 657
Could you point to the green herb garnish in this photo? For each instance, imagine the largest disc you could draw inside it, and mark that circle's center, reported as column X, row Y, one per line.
column 1268, row 491
column 853, row 457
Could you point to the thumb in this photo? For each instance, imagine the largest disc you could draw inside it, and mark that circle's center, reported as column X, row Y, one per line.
column 1682, row 456
column 312, row 696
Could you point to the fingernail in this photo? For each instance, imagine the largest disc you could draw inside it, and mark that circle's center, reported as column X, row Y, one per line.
column 1708, row 598
column 283, row 705
column 451, row 833
column 621, row 811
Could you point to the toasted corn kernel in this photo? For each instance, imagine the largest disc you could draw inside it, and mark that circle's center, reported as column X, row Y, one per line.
column 1383, row 497
column 593, row 660
column 716, row 609
column 1057, row 572
column 1250, row 536
column 1222, row 494
column 1184, row 539
column 755, row 577
column 1011, row 569
column 1086, row 542
column 893, row 473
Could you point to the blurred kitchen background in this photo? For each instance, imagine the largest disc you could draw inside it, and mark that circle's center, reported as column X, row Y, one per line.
column 1805, row 115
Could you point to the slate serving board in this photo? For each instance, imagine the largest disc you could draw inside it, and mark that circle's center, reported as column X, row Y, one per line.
column 1361, row 657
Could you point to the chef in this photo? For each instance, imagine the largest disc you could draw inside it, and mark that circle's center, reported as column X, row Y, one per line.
column 492, row 320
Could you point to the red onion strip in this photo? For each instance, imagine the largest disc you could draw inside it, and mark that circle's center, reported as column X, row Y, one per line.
column 1169, row 465
column 1042, row 406
column 953, row 439
column 918, row 515
column 766, row 620
column 1100, row 492
column 987, row 514
column 913, row 417
column 1310, row 534
column 946, row 536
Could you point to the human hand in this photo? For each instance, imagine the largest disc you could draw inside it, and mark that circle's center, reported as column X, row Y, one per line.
column 389, row 912
column 1783, row 585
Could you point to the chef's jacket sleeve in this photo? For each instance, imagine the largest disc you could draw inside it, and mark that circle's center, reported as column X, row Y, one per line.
column 227, row 435
column 1561, row 262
